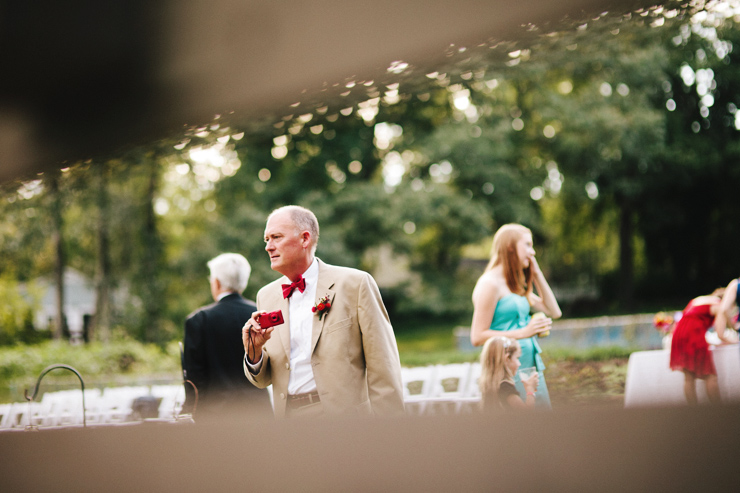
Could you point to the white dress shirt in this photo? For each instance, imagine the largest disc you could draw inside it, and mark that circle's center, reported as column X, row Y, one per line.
column 301, row 379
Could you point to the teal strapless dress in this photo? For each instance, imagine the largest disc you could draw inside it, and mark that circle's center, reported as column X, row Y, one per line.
column 512, row 312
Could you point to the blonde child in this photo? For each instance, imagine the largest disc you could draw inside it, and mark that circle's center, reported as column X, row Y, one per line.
column 499, row 363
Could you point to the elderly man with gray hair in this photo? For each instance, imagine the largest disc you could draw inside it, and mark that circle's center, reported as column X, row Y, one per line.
column 213, row 353
column 326, row 345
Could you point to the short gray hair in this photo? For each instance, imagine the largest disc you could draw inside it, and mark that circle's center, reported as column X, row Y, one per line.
column 232, row 270
column 304, row 220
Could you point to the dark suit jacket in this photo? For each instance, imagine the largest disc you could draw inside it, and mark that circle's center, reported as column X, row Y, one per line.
column 213, row 359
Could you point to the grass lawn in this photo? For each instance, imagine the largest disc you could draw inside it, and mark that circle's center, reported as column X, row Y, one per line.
column 589, row 377
column 578, row 383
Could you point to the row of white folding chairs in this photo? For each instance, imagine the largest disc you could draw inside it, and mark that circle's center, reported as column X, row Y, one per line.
column 173, row 397
column 432, row 389
column 441, row 389
column 13, row 415
column 112, row 405
column 59, row 408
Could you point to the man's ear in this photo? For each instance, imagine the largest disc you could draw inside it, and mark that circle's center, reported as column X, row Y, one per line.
column 306, row 239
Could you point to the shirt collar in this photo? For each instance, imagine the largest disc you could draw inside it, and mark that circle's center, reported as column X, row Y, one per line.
column 312, row 273
column 224, row 295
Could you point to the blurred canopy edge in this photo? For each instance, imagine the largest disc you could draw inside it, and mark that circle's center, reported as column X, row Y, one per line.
column 83, row 79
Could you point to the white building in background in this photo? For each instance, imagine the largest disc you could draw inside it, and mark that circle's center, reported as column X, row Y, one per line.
column 79, row 301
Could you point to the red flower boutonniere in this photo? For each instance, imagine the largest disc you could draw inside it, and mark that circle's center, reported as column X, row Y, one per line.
column 322, row 307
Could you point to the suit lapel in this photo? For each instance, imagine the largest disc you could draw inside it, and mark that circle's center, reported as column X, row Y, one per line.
column 323, row 288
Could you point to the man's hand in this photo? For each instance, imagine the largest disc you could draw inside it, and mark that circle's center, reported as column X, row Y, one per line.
column 254, row 337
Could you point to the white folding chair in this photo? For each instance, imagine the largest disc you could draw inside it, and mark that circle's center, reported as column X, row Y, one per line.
column 4, row 414
column 93, row 405
column 417, row 387
column 473, row 390
column 117, row 402
column 17, row 416
column 62, row 408
column 53, row 405
column 470, row 400
column 451, row 380
column 173, row 397
column 38, row 412
column 448, row 389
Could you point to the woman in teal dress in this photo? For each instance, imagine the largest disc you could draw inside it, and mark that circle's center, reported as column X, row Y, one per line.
column 504, row 297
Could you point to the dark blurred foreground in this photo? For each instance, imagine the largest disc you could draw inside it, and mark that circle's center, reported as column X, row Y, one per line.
column 659, row 449
column 90, row 78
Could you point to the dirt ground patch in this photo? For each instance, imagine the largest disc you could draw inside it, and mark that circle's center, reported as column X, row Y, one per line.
column 586, row 383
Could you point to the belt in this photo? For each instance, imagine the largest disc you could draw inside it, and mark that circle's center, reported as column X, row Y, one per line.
column 299, row 400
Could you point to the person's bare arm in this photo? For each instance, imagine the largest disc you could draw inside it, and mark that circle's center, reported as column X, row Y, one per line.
column 546, row 301
column 530, row 386
column 722, row 318
column 486, row 296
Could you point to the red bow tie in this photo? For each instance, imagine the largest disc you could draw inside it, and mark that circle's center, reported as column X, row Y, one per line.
column 300, row 284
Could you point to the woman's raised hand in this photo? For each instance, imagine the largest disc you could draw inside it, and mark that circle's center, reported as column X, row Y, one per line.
column 534, row 265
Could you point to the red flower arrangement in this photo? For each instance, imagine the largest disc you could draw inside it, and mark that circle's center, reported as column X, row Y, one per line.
column 322, row 307
column 663, row 322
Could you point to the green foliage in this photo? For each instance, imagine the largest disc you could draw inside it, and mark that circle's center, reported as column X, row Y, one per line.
column 590, row 354
column 421, row 344
column 121, row 360
column 360, row 216
column 16, row 312
column 24, row 246
column 433, row 343
column 94, row 360
column 412, row 359
column 624, row 170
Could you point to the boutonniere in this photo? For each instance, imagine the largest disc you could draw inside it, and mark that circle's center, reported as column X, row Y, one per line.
column 322, row 307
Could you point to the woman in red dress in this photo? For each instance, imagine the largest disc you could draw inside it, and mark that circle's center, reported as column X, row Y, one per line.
column 690, row 350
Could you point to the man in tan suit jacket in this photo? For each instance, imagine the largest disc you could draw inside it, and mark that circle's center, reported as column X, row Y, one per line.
column 338, row 357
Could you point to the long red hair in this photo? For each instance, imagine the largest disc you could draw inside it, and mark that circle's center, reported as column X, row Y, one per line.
column 503, row 252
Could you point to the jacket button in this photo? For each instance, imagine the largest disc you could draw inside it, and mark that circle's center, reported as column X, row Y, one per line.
column 287, row 366
column 282, row 396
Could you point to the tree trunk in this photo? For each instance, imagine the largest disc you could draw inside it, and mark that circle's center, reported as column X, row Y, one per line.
column 59, row 260
column 153, row 296
column 626, row 256
column 100, row 328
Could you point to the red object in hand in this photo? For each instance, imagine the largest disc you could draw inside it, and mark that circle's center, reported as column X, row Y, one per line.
column 270, row 319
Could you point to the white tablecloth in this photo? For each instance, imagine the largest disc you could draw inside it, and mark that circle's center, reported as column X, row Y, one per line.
column 650, row 381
